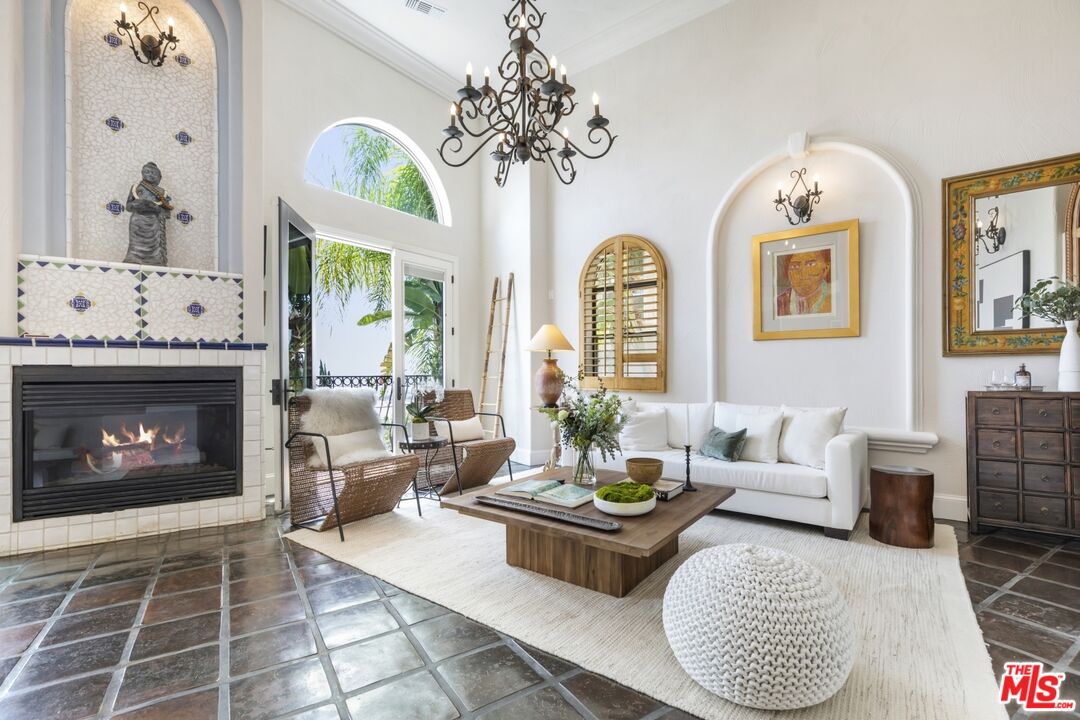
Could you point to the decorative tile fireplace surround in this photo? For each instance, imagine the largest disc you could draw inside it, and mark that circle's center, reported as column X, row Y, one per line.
column 52, row 354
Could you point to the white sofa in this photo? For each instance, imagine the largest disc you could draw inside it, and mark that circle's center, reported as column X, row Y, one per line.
column 831, row 498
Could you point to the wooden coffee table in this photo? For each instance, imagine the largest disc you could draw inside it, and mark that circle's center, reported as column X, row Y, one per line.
column 608, row 562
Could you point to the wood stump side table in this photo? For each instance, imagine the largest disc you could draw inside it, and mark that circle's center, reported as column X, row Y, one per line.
column 902, row 506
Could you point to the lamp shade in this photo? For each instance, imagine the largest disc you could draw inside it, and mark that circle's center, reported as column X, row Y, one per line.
column 548, row 338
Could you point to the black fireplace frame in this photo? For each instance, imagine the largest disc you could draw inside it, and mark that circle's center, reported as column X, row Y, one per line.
column 108, row 496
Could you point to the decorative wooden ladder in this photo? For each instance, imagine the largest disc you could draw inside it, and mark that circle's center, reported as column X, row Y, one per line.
column 489, row 377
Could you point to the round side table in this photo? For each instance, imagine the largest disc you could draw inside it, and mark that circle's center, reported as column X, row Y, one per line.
column 427, row 448
column 902, row 506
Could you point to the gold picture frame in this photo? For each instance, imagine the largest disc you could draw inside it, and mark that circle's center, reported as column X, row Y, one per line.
column 808, row 286
column 960, row 286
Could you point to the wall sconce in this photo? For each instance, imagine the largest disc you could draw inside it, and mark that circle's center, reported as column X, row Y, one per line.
column 798, row 205
column 149, row 49
column 994, row 233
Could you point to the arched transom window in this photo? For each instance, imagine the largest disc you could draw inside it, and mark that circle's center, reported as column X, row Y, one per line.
column 622, row 295
column 367, row 161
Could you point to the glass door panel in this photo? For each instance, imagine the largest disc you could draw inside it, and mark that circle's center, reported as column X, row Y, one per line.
column 353, row 329
column 423, row 324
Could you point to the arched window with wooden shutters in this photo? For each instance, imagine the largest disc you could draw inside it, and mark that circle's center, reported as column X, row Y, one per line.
column 623, row 333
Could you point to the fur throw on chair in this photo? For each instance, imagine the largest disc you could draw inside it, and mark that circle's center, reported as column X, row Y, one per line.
column 338, row 411
column 349, row 420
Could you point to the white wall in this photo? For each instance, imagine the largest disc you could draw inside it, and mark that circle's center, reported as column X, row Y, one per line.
column 698, row 106
column 314, row 79
column 11, row 73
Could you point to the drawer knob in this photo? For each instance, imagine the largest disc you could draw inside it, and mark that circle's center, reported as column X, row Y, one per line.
column 1045, row 478
column 996, row 443
column 997, row 474
column 997, row 505
column 1044, row 445
column 1044, row 509
column 995, row 411
column 1043, row 413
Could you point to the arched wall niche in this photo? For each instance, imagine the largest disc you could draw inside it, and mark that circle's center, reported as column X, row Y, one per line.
column 867, row 184
column 64, row 213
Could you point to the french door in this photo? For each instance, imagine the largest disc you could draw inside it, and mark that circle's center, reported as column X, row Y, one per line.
column 360, row 315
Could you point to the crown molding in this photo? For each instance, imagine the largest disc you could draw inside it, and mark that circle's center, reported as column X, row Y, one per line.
column 635, row 30
column 353, row 29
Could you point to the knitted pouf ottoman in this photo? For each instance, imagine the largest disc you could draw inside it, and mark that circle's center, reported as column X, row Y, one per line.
column 759, row 627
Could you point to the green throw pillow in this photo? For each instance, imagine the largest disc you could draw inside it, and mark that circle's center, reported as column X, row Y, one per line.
column 724, row 445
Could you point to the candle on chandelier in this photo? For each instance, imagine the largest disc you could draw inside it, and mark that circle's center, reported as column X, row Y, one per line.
column 566, row 136
column 487, row 76
column 562, row 71
column 453, row 114
column 468, row 75
column 170, row 23
column 123, row 13
column 554, row 64
column 817, row 178
column 522, row 23
column 779, row 191
column 596, row 104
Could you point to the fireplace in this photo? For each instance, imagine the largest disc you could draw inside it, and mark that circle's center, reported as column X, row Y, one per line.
column 90, row 440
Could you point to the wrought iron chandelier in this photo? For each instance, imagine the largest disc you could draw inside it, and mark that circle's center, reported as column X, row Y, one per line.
column 523, row 115
column 148, row 49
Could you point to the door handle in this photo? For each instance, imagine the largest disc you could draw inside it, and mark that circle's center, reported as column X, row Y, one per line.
column 397, row 386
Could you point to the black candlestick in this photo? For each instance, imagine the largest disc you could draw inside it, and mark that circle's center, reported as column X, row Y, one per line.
column 688, row 486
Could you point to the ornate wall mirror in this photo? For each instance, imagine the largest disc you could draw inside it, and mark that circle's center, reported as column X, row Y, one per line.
column 1003, row 230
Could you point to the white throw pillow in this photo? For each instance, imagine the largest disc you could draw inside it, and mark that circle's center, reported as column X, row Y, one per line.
column 354, row 447
column 471, row 429
column 339, row 411
column 762, row 436
column 645, row 430
column 806, row 432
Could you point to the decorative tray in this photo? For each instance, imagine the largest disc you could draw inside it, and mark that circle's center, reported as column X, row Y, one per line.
column 552, row 513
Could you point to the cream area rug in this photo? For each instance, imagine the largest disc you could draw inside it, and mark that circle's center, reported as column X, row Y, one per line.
column 921, row 654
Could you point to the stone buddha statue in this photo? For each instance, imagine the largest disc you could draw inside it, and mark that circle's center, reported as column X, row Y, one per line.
column 150, row 207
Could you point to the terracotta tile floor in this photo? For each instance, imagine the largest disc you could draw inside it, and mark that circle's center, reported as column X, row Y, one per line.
column 237, row 622
column 1025, row 588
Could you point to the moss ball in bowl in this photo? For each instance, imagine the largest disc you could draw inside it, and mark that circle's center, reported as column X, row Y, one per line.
column 625, row 498
column 644, row 470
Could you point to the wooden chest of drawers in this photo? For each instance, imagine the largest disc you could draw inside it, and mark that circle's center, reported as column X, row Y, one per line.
column 1023, row 453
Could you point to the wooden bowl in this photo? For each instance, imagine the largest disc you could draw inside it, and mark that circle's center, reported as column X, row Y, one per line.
column 644, row 470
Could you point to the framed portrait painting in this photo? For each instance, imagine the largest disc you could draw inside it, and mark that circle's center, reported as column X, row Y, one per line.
column 806, row 282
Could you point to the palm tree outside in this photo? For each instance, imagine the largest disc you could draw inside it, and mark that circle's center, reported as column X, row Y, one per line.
column 372, row 166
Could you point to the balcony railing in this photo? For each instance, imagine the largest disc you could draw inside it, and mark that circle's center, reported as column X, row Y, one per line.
column 383, row 385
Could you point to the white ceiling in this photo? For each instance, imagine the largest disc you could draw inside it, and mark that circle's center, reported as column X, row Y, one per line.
column 435, row 48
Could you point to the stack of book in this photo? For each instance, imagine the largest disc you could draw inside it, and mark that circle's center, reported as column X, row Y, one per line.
column 667, row 489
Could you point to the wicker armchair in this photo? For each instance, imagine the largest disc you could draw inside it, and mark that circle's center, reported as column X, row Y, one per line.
column 324, row 499
column 469, row 463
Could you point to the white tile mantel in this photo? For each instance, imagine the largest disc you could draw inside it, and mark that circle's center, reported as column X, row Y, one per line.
column 53, row 533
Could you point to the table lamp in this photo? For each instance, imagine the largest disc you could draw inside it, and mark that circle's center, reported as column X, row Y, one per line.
column 549, row 384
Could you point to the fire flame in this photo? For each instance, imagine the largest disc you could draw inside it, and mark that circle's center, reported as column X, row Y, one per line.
column 145, row 436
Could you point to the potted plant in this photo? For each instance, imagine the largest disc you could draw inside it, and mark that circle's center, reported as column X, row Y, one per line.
column 1058, row 301
column 588, row 424
column 420, row 411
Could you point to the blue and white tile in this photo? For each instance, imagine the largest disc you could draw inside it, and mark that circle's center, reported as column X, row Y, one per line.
column 76, row 300
column 192, row 307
